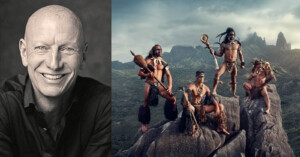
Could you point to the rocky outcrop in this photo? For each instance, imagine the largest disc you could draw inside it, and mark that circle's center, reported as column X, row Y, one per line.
column 253, row 134
column 264, row 132
column 281, row 42
column 234, row 148
column 164, row 139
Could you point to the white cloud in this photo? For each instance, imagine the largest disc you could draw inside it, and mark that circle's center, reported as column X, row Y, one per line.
column 157, row 23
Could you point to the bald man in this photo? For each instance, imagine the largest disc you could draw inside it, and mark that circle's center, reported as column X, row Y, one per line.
column 52, row 111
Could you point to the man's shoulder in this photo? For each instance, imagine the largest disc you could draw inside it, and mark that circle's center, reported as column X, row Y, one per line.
column 11, row 91
column 93, row 95
column 92, row 87
column 191, row 86
column 148, row 60
column 15, row 83
column 238, row 42
column 206, row 87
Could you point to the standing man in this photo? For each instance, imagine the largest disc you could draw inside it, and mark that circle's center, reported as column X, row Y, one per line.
column 231, row 48
column 200, row 101
column 52, row 111
column 158, row 68
column 262, row 75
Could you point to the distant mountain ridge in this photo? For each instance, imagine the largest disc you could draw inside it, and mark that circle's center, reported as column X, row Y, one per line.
column 253, row 47
column 127, row 88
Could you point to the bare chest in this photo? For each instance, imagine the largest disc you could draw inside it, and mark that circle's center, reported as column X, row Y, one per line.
column 198, row 94
column 232, row 46
column 157, row 65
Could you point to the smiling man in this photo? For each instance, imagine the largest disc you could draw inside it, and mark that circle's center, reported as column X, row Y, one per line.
column 52, row 111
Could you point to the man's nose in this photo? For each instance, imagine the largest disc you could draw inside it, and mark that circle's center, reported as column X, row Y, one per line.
column 54, row 60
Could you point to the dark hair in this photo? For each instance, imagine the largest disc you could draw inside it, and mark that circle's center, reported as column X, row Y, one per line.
column 228, row 30
column 199, row 72
column 256, row 63
column 150, row 55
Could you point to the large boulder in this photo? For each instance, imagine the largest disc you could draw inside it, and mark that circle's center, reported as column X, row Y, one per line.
column 164, row 139
column 264, row 132
column 235, row 147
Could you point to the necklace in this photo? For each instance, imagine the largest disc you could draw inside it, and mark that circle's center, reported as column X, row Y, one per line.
column 199, row 90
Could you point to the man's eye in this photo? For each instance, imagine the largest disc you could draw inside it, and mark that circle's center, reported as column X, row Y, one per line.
column 67, row 50
column 41, row 48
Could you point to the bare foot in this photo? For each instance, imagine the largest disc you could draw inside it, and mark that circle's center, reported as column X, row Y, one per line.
column 214, row 92
column 267, row 111
column 144, row 128
column 235, row 96
column 223, row 130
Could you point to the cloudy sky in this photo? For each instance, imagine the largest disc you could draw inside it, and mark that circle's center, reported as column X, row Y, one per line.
column 139, row 24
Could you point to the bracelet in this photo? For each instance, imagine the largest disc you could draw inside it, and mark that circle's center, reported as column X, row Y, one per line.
column 242, row 63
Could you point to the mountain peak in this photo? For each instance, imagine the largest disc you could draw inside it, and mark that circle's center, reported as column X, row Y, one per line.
column 281, row 42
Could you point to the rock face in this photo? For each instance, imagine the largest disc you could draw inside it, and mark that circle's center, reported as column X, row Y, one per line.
column 164, row 139
column 265, row 134
column 235, row 147
column 253, row 134
column 281, row 42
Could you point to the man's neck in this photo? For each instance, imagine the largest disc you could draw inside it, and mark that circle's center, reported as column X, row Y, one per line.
column 156, row 57
column 52, row 105
column 199, row 84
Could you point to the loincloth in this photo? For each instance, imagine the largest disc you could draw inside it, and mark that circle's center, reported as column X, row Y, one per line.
column 153, row 93
column 201, row 112
column 256, row 92
column 154, row 83
column 230, row 66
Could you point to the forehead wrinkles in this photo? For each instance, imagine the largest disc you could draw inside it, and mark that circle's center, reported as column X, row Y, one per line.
column 54, row 15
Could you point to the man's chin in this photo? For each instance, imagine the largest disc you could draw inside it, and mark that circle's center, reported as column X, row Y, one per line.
column 52, row 92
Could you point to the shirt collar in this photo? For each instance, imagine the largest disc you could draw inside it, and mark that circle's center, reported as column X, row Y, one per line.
column 28, row 93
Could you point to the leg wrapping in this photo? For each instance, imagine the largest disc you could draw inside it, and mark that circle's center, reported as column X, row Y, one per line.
column 144, row 114
column 221, row 120
column 201, row 113
column 186, row 122
column 170, row 114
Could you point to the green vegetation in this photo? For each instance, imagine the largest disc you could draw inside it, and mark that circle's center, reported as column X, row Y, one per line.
column 127, row 88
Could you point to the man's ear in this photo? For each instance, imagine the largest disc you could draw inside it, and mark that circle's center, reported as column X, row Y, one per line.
column 83, row 59
column 23, row 52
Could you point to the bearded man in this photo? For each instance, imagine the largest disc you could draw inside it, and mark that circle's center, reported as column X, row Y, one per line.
column 232, row 49
column 152, row 88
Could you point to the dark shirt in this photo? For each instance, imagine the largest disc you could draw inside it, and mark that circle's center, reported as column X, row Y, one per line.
column 83, row 130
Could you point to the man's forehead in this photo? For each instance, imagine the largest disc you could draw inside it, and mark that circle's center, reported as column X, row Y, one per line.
column 200, row 75
column 53, row 17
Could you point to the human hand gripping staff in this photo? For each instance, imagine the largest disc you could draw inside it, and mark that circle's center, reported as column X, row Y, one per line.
column 204, row 40
column 140, row 61
column 153, row 68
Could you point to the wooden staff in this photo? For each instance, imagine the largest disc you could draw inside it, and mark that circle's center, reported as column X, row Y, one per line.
column 140, row 61
column 204, row 39
column 193, row 115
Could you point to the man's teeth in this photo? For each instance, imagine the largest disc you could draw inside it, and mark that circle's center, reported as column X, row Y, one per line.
column 52, row 77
